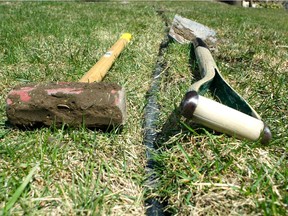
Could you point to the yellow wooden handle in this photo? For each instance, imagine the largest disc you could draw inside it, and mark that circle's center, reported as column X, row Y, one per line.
column 99, row 70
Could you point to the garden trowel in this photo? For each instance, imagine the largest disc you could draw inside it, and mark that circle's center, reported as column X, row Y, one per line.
column 233, row 116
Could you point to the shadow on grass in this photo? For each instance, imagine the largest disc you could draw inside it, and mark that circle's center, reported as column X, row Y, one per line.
column 156, row 203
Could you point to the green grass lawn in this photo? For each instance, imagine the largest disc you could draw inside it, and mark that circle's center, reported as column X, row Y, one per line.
column 199, row 172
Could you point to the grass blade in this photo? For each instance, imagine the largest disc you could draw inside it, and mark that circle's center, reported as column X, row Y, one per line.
column 188, row 159
column 20, row 189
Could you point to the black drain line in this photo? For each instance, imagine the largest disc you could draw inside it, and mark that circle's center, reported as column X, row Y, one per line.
column 151, row 116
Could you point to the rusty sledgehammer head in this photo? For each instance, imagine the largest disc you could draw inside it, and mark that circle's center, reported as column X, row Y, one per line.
column 95, row 105
column 88, row 103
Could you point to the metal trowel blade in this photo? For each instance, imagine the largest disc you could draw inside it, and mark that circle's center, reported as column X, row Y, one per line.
column 184, row 30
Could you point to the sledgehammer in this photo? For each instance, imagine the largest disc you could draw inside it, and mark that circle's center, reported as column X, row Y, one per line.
column 233, row 116
column 88, row 102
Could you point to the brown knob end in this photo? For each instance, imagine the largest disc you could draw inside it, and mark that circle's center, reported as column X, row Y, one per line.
column 189, row 104
column 266, row 135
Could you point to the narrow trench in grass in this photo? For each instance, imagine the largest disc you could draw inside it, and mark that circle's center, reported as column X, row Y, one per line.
column 151, row 116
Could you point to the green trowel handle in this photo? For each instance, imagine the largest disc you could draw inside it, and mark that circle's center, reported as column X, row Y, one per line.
column 212, row 80
column 223, row 119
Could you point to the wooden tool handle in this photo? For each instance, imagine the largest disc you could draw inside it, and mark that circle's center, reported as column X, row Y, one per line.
column 223, row 119
column 99, row 70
